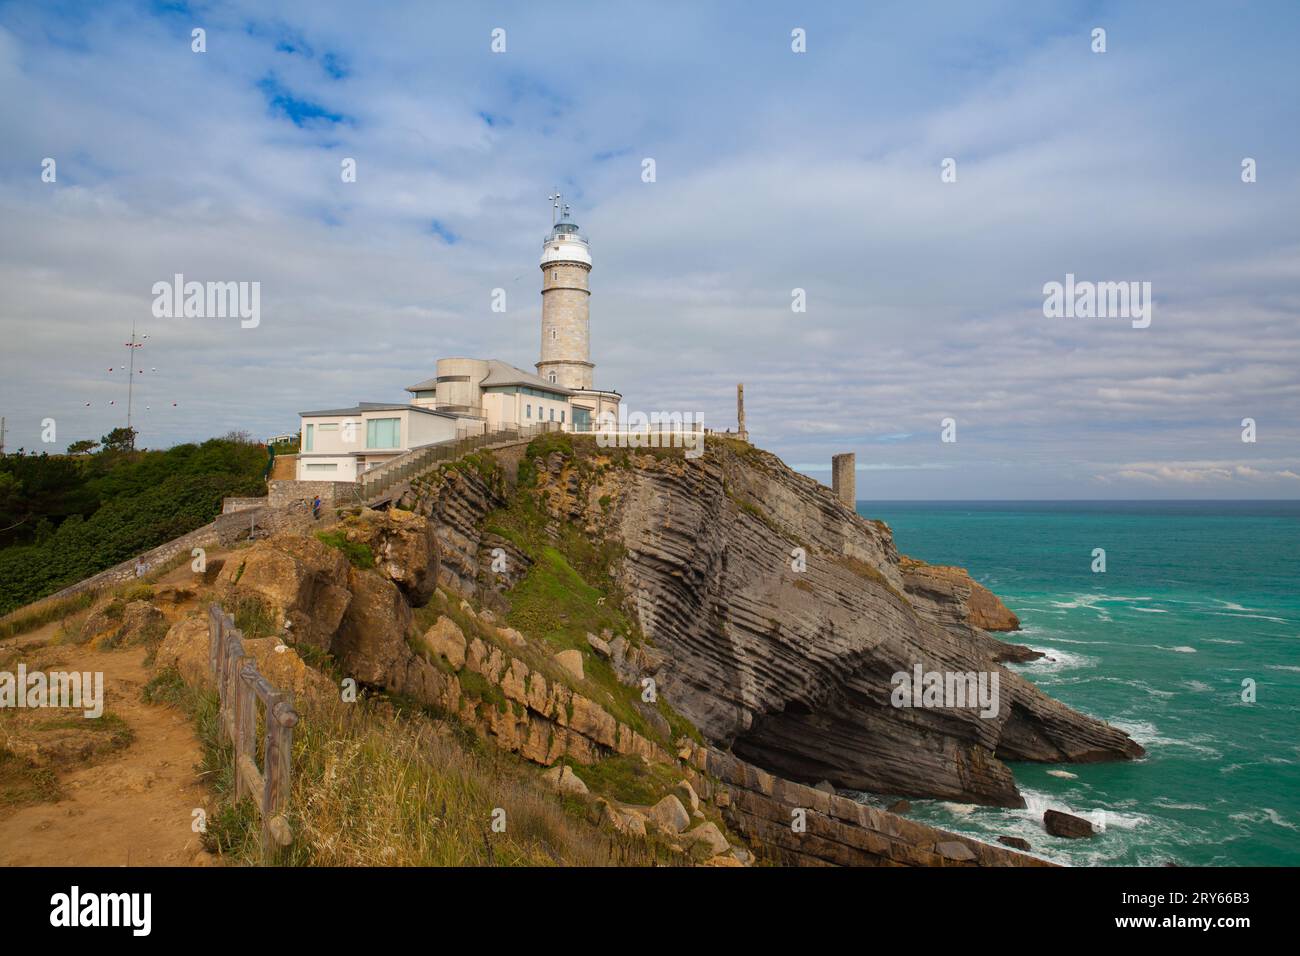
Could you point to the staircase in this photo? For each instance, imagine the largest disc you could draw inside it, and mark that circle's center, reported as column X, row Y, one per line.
column 386, row 482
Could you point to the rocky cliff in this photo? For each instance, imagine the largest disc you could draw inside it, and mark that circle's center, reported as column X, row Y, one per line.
column 780, row 617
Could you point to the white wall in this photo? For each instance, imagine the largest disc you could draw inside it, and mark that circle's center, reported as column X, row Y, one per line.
column 426, row 429
column 327, row 468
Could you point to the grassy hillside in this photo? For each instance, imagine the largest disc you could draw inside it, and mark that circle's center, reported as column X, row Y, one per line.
column 66, row 517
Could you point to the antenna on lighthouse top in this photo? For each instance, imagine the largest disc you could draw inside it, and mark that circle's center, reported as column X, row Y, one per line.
column 555, row 206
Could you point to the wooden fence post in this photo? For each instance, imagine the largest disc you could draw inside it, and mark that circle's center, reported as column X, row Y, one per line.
column 240, row 687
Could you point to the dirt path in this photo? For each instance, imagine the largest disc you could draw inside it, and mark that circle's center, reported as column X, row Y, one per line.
column 129, row 807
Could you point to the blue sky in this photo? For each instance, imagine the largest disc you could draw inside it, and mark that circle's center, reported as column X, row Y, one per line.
column 775, row 171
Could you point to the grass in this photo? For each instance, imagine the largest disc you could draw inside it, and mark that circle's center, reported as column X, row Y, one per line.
column 358, row 553
column 864, row 570
column 253, row 616
column 378, row 783
column 136, row 592
column 54, row 611
column 629, row 779
column 115, row 730
column 569, row 591
column 24, row 782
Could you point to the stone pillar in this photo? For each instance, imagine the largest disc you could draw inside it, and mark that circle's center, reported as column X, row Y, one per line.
column 844, row 478
column 741, row 433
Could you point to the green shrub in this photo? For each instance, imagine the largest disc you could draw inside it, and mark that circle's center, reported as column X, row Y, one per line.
column 101, row 510
column 358, row 553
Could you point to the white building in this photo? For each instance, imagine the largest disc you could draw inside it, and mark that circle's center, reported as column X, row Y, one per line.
column 340, row 443
column 470, row 396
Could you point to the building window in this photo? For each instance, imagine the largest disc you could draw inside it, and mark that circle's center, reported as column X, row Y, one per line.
column 561, row 416
column 330, row 467
column 552, row 414
column 554, row 335
column 329, row 426
column 552, row 378
column 528, row 411
column 383, row 433
column 308, row 441
column 555, row 274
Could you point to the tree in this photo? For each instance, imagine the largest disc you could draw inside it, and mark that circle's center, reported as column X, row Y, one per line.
column 119, row 439
column 82, row 447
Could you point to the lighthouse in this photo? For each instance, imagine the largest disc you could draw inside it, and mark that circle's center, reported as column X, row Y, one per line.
column 566, row 298
column 566, row 303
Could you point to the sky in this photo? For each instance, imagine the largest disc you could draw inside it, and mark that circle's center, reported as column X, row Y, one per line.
column 775, row 170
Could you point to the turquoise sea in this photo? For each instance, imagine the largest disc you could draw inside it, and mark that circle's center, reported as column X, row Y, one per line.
column 1197, row 597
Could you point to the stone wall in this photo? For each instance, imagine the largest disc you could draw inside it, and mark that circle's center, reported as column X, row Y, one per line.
column 232, row 505
column 284, row 493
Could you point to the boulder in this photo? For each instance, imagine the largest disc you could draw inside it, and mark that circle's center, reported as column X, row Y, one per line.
column 371, row 642
column 302, row 581
column 669, row 815
column 140, row 622
column 1016, row 843
column 114, row 622
column 689, row 797
column 954, row 850
column 511, row 636
column 899, row 806
column 186, row 648
column 405, row 549
column 571, row 661
column 563, row 780
column 651, row 715
column 1067, row 825
column 284, row 670
column 598, row 645
column 446, row 640
column 708, row 838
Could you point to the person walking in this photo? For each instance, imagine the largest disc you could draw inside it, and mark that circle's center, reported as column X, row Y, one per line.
column 315, row 508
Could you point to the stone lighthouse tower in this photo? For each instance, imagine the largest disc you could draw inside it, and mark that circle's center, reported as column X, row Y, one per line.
column 566, row 265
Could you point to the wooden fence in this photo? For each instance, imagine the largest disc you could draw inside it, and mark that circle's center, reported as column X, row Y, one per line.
column 242, row 688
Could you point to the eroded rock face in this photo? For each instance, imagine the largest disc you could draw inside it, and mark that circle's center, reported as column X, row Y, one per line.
column 371, row 641
column 302, row 580
column 949, row 596
column 405, row 549
column 794, row 669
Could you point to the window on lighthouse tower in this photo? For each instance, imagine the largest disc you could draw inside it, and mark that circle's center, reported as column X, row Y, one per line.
column 552, row 378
